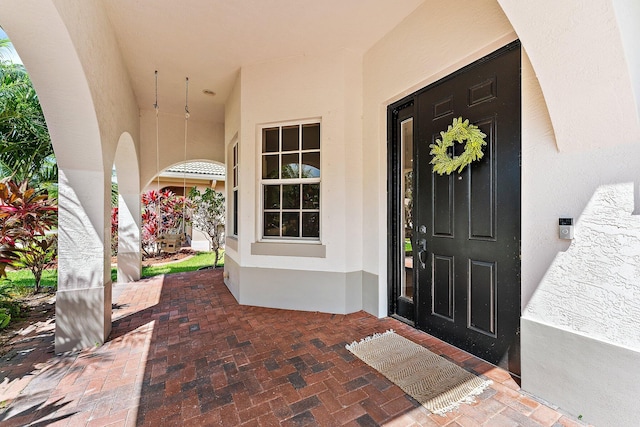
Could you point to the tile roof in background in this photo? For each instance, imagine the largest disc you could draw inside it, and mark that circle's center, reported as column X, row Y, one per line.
column 198, row 168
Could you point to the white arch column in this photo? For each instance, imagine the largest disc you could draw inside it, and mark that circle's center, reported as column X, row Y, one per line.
column 83, row 300
column 129, row 253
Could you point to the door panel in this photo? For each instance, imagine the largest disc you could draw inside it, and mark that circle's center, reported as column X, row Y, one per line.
column 442, row 205
column 468, row 288
column 481, row 296
column 482, row 209
column 442, row 292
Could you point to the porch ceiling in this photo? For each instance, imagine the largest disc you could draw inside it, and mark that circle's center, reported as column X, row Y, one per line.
column 210, row 40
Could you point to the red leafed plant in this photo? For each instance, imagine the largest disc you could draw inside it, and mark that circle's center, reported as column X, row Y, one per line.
column 25, row 216
column 163, row 212
column 114, row 231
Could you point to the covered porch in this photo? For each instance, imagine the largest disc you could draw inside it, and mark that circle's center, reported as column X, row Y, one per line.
column 307, row 64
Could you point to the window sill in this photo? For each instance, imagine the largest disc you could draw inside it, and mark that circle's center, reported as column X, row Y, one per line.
column 232, row 242
column 309, row 250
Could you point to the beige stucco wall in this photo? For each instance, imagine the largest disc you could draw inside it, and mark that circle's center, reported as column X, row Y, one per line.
column 231, row 135
column 580, row 298
column 578, row 54
column 112, row 95
column 560, row 184
column 627, row 14
column 232, row 113
column 305, row 87
column 327, row 88
column 205, row 140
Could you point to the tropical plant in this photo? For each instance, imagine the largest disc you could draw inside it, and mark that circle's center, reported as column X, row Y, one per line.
column 114, row 216
column 5, row 46
column 10, row 231
column 163, row 212
column 208, row 216
column 8, row 254
column 25, row 216
column 8, row 307
column 26, row 208
column 114, row 231
column 5, row 318
column 26, row 152
column 38, row 255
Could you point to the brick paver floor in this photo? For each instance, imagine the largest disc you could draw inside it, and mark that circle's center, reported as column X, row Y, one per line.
column 183, row 352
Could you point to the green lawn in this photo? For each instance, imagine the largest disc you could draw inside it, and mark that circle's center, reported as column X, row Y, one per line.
column 201, row 259
column 23, row 279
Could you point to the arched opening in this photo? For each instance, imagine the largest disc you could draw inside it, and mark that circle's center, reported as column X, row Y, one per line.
column 203, row 183
column 195, row 179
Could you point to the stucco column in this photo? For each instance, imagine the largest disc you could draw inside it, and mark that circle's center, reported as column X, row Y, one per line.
column 83, row 300
column 129, row 254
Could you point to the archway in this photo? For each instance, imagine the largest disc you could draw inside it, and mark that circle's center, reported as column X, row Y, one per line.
column 180, row 178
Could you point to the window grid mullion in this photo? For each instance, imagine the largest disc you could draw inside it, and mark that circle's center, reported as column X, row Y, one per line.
column 281, row 208
column 300, row 158
column 280, row 159
column 300, row 199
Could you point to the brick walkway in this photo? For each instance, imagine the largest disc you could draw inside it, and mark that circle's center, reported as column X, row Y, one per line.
column 183, row 352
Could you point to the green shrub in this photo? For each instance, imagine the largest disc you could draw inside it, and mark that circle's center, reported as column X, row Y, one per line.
column 26, row 215
column 5, row 318
column 37, row 256
column 6, row 289
column 8, row 307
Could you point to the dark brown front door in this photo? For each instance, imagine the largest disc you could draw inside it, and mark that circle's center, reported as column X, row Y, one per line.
column 466, row 226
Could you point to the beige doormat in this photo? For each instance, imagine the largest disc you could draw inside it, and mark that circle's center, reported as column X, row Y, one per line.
column 439, row 385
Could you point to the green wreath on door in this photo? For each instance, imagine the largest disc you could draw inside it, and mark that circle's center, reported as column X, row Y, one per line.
column 463, row 133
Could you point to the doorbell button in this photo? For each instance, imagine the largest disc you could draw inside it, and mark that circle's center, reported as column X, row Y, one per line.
column 565, row 228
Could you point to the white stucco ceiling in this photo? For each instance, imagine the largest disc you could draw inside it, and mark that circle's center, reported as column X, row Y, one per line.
column 210, row 40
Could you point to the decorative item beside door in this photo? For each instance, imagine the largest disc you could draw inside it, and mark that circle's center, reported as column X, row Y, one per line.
column 460, row 131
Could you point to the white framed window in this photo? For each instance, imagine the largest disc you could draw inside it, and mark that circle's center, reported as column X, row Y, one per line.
column 290, row 181
column 234, row 189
